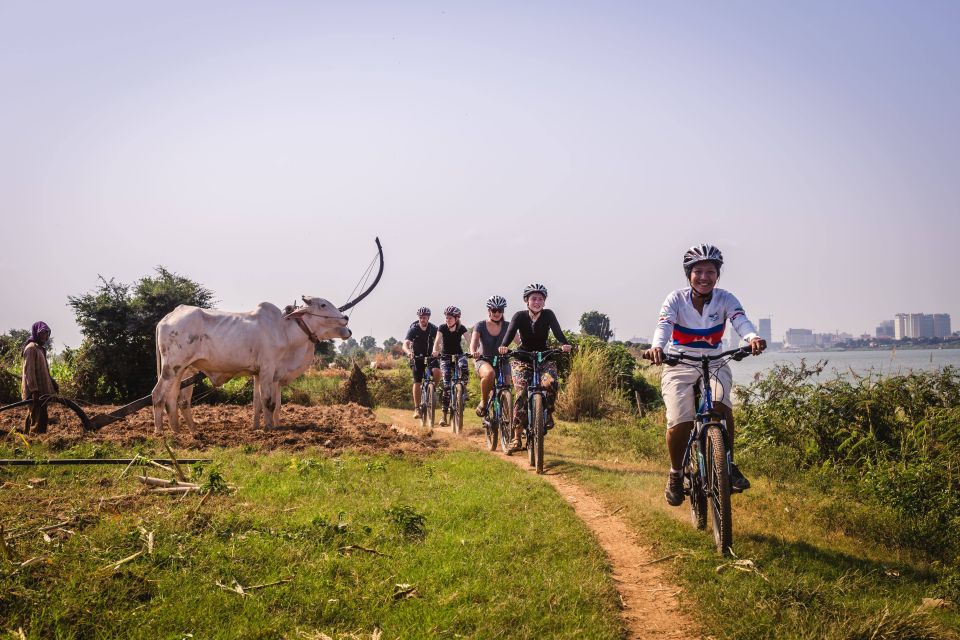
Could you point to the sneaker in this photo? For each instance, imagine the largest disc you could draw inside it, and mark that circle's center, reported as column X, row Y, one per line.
column 674, row 491
column 443, row 420
column 738, row 483
column 486, row 423
column 549, row 423
column 416, row 414
column 481, row 410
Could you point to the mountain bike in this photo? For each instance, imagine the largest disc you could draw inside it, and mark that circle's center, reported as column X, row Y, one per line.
column 707, row 458
column 456, row 391
column 499, row 421
column 537, row 412
column 428, row 393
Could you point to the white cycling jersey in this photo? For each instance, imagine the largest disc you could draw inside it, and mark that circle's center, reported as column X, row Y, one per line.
column 681, row 326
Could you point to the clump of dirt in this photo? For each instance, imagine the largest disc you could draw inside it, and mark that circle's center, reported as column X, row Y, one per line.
column 335, row 427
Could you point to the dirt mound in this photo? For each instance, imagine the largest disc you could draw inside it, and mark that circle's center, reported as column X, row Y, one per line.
column 335, row 427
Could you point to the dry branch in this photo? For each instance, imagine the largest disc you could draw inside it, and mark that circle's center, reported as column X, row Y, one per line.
column 180, row 489
column 176, row 465
column 160, row 482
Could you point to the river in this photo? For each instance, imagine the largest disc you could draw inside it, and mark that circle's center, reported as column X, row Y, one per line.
column 883, row 362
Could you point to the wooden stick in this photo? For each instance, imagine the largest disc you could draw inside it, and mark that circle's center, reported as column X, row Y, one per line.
column 127, row 468
column 116, row 565
column 269, row 584
column 174, row 490
column 202, row 502
column 160, row 482
column 157, row 464
column 176, row 465
column 355, row 547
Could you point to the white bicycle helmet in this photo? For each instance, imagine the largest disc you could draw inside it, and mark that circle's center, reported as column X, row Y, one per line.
column 534, row 287
column 423, row 311
column 701, row 253
column 496, row 302
column 452, row 311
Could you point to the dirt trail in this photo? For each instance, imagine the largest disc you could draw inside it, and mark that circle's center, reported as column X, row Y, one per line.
column 651, row 607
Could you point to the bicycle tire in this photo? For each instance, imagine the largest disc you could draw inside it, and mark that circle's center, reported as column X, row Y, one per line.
column 505, row 400
column 718, row 483
column 698, row 497
column 431, row 412
column 537, row 423
column 456, row 408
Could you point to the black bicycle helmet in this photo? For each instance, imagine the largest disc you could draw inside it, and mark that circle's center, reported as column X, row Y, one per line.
column 452, row 311
column 534, row 287
column 496, row 302
column 423, row 311
column 701, row 253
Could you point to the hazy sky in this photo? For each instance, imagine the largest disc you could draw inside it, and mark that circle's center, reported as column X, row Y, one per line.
column 258, row 148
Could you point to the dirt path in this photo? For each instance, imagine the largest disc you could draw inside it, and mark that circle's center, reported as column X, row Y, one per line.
column 651, row 607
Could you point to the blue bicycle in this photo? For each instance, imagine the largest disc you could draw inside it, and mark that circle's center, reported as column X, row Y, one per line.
column 707, row 459
column 537, row 412
column 499, row 421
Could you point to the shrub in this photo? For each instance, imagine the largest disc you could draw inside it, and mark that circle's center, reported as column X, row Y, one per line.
column 391, row 388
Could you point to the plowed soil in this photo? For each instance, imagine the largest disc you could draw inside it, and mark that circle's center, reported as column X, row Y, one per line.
column 336, row 427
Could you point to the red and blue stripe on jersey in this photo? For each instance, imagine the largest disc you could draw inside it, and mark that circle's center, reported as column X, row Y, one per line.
column 708, row 338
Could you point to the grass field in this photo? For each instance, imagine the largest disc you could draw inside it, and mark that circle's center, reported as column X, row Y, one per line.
column 803, row 579
column 456, row 544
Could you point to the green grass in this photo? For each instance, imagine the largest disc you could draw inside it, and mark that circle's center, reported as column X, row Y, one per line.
column 487, row 550
column 817, row 581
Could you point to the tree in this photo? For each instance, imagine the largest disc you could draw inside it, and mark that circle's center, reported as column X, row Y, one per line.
column 368, row 343
column 389, row 342
column 594, row 323
column 348, row 347
column 117, row 359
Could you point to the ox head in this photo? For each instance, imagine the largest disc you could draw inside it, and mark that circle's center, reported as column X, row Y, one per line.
column 323, row 318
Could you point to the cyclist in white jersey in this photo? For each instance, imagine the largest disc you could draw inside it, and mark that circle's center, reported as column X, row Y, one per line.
column 693, row 320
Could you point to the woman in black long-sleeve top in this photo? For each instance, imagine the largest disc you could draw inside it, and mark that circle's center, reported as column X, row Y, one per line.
column 534, row 325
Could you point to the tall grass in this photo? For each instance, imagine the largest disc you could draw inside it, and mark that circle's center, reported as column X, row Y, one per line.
column 589, row 390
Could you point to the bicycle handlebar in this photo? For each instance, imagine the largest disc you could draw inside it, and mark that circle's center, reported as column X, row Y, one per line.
column 525, row 355
column 671, row 359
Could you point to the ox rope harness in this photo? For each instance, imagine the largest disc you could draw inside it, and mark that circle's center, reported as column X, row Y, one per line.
column 310, row 334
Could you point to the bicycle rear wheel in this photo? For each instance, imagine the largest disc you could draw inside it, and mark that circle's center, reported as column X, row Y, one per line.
column 505, row 419
column 456, row 408
column 698, row 497
column 718, row 487
column 537, row 429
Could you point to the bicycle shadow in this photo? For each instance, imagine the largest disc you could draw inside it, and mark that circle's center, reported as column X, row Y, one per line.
column 830, row 564
column 562, row 464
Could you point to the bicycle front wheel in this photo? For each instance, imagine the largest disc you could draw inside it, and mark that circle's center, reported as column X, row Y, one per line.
column 505, row 419
column 537, row 428
column 694, row 480
column 431, row 409
column 718, row 486
column 456, row 408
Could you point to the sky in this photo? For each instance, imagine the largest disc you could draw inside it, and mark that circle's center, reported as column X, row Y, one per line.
column 259, row 148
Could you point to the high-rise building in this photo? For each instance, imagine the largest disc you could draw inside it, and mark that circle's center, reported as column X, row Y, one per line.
column 941, row 325
column 900, row 325
column 799, row 338
column 886, row 329
column 764, row 330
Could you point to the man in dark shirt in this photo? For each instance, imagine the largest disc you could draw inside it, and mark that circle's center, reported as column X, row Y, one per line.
column 417, row 344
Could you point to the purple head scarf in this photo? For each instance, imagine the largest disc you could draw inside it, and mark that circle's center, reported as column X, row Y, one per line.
column 35, row 332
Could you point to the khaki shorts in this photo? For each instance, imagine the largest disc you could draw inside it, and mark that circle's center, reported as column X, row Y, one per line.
column 677, row 384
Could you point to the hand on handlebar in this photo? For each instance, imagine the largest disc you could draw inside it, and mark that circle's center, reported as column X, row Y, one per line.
column 477, row 354
column 757, row 345
column 566, row 348
column 436, row 354
column 655, row 355
column 503, row 351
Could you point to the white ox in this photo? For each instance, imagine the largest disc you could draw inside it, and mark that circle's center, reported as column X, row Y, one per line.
column 264, row 343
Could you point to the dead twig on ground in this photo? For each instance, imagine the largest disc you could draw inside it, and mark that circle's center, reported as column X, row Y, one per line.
column 350, row 548
column 239, row 589
column 672, row 555
column 160, row 482
column 116, row 565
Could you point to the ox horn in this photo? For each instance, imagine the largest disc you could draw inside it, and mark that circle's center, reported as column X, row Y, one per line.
column 370, row 288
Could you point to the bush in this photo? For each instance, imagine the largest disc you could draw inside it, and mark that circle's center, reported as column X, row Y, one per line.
column 892, row 444
column 391, row 388
column 589, row 390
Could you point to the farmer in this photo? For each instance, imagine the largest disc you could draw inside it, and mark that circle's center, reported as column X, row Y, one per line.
column 37, row 384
